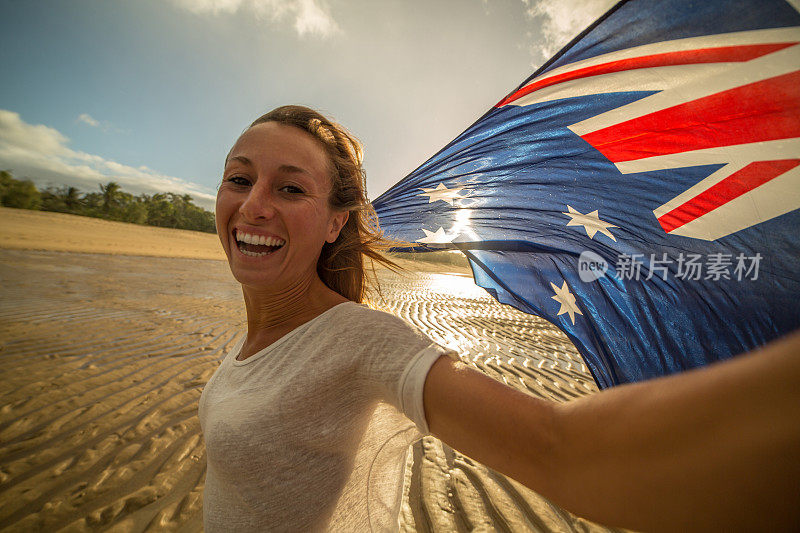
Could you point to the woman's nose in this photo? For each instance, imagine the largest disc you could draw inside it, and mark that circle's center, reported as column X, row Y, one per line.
column 258, row 205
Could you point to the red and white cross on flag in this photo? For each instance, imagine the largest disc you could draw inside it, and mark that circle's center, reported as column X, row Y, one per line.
column 731, row 99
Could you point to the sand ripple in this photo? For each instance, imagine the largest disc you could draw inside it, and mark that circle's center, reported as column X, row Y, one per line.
column 104, row 358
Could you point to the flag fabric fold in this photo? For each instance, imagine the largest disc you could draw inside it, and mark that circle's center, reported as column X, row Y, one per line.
column 640, row 191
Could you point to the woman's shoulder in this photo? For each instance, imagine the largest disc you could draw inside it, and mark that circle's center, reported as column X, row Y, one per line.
column 365, row 312
column 360, row 318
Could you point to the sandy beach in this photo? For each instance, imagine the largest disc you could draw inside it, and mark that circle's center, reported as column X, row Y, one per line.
column 108, row 333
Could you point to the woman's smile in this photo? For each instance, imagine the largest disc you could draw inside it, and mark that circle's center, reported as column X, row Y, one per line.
column 255, row 244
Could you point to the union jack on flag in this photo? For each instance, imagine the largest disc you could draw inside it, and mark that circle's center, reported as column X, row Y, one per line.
column 641, row 190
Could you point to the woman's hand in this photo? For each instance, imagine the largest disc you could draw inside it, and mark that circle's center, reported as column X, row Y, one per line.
column 709, row 449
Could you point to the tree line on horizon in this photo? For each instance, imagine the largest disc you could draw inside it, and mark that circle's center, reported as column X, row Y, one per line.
column 166, row 210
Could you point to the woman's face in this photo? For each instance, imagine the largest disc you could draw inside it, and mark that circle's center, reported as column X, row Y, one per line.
column 272, row 207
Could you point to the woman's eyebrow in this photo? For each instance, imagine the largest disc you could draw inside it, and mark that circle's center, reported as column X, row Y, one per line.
column 239, row 158
column 291, row 169
column 288, row 169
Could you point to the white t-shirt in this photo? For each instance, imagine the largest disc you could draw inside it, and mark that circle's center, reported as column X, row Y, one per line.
column 311, row 432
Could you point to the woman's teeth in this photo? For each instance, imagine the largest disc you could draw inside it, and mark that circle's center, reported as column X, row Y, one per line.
column 258, row 239
column 257, row 245
column 252, row 254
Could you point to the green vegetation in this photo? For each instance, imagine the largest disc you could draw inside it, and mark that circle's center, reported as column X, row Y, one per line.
column 167, row 210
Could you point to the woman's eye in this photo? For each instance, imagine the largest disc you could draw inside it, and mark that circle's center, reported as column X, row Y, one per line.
column 293, row 189
column 238, row 180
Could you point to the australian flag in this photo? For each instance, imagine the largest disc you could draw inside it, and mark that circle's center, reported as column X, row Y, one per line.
column 641, row 190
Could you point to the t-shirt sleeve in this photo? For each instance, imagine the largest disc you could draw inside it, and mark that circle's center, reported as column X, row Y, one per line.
column 394, row 358
column 412, row 382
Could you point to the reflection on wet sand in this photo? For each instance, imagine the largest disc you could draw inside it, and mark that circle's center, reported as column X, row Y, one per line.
column 104, row 357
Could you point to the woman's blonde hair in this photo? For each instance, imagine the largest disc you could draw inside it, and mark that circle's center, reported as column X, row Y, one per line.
column 341, row 264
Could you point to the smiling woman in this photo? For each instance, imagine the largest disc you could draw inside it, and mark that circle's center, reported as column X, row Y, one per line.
column 307, row 421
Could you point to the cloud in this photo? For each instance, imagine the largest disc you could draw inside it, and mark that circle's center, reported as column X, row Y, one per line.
column 106, row 126
column 309, row 17
column 561, row 21
column 87, row 119
column 41, row 154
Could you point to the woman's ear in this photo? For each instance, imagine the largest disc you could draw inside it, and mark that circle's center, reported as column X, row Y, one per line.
column 338, row 220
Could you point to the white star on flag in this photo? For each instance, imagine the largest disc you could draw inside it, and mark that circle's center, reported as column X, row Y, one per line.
column 567, row 301
column 590, row 221
column 442, row 193
column 437, row 237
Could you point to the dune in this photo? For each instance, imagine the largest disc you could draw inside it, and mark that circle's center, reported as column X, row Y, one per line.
column 105, row 352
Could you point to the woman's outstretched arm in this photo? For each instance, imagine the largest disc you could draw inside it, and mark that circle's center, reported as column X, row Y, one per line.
column 710, row 449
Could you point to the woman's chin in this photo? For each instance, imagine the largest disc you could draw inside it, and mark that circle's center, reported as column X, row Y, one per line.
column 249, row 278
column 261, row 272
column 251, row 269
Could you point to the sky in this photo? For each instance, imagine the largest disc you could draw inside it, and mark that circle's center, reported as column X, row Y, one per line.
column 153, row 93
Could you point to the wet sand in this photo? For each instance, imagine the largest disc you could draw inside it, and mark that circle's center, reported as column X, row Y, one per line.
column 104, row 357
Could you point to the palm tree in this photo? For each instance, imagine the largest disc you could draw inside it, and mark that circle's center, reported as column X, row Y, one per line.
column 110, row 195
column 72, row 199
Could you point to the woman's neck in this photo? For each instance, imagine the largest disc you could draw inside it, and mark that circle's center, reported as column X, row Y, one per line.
column 271, row 314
